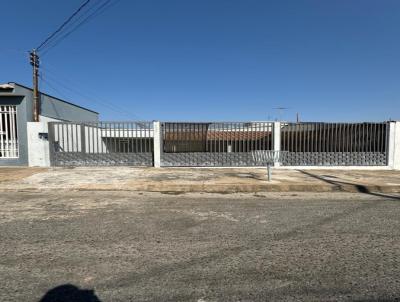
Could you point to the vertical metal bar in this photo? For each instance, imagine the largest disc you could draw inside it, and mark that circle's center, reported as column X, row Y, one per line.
column 378, row 137
column 75, row 135
column 218, row 140
column 117, row 137
column 321, row 143
column 235, row 137
column 131, row 127
column 10, row 131
column 5, row 133
column 96, row 124
column 307, row 137
column 344, row 137
column 321, row 137
column 248, row 138
column 251, row 136
column 147, row 135
column 1, row 132
column 9, row 134
column 91, row 137
column 374, row 138
column 301, row 138
column 327, row 129
column 66, row 130
column 314, row 146
column 385, row 137
column 62, row 137
column 263, row 136
column 15, row 140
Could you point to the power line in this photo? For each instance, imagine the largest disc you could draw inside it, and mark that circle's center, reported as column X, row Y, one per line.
column 88, row 97
column 63, row 25
column 86, row 18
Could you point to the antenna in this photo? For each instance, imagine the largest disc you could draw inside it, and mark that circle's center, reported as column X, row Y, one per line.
column 280, row 111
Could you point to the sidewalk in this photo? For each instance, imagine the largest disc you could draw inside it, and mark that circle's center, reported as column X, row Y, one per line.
column 180, row 180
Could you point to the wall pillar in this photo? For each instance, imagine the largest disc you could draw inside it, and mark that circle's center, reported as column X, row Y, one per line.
column 158, row 143
column 394, row 145
column 38, row 144
column 277, row 138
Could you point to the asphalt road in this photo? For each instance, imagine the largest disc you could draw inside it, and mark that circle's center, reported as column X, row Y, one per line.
column 124, row 246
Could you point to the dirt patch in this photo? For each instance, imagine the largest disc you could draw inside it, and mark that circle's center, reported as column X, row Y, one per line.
column 13, row 174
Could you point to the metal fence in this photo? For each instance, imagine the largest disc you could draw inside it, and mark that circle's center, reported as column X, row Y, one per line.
column 101, row 143
column 340, row 144
column 8, row 132
column 216, row 144
column 211, row 144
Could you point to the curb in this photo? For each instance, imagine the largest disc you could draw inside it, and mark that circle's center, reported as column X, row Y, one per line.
column 223, row 188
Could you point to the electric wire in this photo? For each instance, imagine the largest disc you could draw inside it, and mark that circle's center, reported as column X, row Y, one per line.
column 79, row 22
column 63, row 25
column 54, row 78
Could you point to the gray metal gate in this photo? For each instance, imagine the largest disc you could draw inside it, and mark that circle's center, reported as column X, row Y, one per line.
column 216, row 144
column 334, row 144
column 101, row 143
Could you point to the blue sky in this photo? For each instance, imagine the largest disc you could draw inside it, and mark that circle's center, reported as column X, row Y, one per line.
column 215, row 59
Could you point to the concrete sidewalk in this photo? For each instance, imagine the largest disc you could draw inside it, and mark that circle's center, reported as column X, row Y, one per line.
column 180, row 180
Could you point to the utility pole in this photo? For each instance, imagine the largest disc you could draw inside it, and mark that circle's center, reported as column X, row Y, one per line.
column 34, row 58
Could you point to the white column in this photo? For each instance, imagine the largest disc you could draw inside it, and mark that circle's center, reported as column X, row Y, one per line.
column 394, row 145
column 277, row 138
column 38, row 146
column 158, row 143
column 390, row 151
column 396, row 163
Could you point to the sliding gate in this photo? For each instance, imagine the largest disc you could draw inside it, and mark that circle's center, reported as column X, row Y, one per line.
column 217, row 144
column 334, row 144
column 101, row 143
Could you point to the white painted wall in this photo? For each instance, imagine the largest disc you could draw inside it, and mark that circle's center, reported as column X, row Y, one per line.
column 158, row 143
column 277, row 140
column 45, row 119
column 396, row 149
column 38, row 148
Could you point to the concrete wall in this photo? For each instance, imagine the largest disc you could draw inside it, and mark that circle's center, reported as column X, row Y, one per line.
column 57, row 109
column 53, row 107
column 38, row 146
column 394, row 145
column 38, row 151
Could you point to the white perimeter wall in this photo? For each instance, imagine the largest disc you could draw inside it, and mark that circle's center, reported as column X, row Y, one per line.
column 394, row 146
column 38, row 148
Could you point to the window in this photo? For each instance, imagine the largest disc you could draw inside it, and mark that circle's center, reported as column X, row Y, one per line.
column 8, row 132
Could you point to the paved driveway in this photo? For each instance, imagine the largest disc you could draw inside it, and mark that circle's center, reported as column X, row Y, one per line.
column 127, row 246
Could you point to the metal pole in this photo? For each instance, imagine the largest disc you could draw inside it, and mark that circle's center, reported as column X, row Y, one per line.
column 269, row 172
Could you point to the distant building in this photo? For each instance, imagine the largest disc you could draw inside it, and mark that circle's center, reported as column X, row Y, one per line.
column 16, row 111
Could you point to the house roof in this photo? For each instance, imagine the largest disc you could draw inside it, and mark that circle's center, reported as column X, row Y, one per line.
column 12, row 84
column 217, row 135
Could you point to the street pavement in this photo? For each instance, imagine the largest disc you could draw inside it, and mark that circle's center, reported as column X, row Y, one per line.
column 139, row 246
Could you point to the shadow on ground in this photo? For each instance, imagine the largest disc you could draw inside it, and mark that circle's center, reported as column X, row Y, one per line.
column 69, row 293
column 359, row 188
